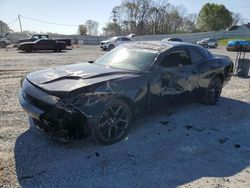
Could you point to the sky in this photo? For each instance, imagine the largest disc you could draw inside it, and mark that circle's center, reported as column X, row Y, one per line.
column 76, row 12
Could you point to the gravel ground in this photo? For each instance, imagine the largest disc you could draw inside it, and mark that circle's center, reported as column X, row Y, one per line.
column 187, row 145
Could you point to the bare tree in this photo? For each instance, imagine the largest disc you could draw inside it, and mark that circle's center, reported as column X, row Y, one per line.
column 92, row 27
column 151, row 17
column 238, row 19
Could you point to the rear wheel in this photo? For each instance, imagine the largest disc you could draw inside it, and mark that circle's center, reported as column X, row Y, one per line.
column 213, row 92
column 114, row 124
column 57, row 49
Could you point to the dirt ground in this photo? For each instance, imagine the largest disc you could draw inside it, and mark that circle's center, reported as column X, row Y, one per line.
column 189, row 145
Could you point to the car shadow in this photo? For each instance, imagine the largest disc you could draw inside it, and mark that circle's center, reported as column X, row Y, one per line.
column 169, row 148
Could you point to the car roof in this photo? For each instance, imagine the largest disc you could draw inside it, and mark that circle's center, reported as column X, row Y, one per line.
column 157, row 45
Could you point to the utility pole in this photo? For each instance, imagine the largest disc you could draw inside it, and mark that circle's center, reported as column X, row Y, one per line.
column 20, row 23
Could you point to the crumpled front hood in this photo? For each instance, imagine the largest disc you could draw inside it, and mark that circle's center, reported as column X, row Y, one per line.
column 71, row 77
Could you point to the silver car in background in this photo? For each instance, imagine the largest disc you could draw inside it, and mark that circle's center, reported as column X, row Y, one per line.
column 114, row 42
column 208, row 43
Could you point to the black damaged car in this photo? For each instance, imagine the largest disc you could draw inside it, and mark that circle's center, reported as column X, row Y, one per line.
column 102, row 98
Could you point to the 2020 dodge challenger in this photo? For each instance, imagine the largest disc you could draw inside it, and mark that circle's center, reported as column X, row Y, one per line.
column 102, row 98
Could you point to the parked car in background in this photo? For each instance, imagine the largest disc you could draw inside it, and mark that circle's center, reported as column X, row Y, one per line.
column 43, row 36
column 208, row 43
column 42, row 44
column 238, row 45
column 114, row 42
column 4, row 41
column 172, row 39
column 102, row 98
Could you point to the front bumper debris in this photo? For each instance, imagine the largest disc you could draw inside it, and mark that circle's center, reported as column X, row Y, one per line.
column 53, row 118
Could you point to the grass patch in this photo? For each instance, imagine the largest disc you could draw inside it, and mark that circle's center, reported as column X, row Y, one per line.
column 223, row 42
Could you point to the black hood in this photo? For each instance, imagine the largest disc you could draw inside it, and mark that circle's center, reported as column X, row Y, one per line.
column 71, row 77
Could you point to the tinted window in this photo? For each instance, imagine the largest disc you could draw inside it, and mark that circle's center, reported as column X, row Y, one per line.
column 118, row 39
column 35, row 38
column 175, row 59
column 126, row 39
column 195, row 55
column 44, row 37
column 205, row 52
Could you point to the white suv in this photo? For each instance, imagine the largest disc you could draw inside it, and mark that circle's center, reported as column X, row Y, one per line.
column 208, row 43
column 114, row 42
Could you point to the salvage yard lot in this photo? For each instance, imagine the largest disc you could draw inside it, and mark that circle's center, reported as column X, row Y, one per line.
column 187, row 145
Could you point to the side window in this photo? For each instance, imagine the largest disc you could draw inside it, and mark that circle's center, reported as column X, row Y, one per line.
column 44, row 37
column 176, row 59
column 118, row 40
column 195, row 55
column 35, row 38
column 125, row 39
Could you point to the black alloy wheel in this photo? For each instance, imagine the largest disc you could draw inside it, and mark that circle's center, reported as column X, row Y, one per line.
column 213, row 91
column 114, row 124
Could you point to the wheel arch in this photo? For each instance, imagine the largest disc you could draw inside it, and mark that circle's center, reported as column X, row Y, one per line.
column 220, row 75
column 130, row 103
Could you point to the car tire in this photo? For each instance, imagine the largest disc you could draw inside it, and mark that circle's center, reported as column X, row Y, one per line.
column 57, row 49
column 114, row 123
column 213, row 92
column 111, row 46
column 29, row 50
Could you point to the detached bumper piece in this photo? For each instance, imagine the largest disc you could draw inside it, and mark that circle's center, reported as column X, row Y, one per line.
column 60, row 124
column 55, row 120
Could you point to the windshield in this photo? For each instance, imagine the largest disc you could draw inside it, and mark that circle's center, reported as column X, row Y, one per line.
column 134, row 59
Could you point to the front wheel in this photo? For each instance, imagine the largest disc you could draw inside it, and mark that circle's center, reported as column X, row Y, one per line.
column 114, row 123
column 111, row 46
column 213, row 92
column 29, row 50
column 3, row 44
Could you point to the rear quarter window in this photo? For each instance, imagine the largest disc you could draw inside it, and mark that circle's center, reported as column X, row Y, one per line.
column 196, row 56
column 205, row 53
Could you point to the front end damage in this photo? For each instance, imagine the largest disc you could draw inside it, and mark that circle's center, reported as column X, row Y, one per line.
column 61, row 119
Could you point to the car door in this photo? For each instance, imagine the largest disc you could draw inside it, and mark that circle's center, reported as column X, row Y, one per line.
column 175, row 74
column 39, row 45
column 125, row 40
column 118, row 41
column 50, row 45
column 44, row 44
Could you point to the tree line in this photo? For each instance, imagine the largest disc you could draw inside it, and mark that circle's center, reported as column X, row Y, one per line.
column 146, row 17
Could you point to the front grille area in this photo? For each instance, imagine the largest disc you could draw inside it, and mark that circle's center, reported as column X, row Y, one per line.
column 55, row 118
